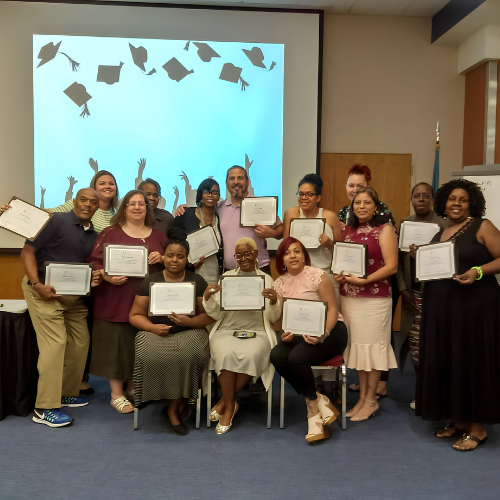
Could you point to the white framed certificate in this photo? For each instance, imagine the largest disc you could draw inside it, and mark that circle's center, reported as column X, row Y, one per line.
column 166, row 298
column 304, row 317
column 436, row 261
column 352, row 258
column 24, row 219
column 307, row 231
column 416, row 233
column 69, row 278
column 242, row 293
column 126, row 260
column 261, row 210
column 202, row 241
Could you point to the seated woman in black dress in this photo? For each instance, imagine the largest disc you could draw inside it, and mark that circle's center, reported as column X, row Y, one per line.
column 459, row 364
column 207, row 197
column 171, row 352
column 295, row 354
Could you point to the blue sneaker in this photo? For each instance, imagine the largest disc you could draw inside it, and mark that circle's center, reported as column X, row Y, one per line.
column 52, row 418
column 74, row 402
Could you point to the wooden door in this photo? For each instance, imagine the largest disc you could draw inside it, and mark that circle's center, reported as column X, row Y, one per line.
column 391, row 178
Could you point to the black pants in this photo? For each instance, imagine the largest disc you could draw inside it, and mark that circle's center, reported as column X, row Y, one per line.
column 293, row 360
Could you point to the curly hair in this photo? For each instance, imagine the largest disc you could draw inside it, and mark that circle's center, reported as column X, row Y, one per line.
column 378, row 218
column 313, row 179
column 477, row 203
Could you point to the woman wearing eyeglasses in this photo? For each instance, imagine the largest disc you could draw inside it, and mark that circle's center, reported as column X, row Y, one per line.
column 193, row 218
column 113, row 336
column 309, row 195
column 238, row 360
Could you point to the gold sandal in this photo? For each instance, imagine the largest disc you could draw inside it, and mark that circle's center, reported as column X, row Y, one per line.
column 120, row 403
column 222, row 429
column 214, row 415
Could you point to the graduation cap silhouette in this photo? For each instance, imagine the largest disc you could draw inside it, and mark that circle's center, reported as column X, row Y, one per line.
column 257, row 58
column 231, row 73
column 49, row 51
column 140, row 56
column 175, row 70
column 79, row 95
column 109, row 74
column 205, row 52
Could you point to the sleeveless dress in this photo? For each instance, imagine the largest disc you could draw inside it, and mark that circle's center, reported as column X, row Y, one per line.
column 459, row 366
column 321, row 257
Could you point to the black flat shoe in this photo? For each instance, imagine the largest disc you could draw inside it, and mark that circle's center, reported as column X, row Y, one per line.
column 87, row 391
column 354, row 388
column 178, row 430
column 380, row 396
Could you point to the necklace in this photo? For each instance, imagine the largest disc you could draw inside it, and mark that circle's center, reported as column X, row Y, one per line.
column 461, row 230
column 203, row 218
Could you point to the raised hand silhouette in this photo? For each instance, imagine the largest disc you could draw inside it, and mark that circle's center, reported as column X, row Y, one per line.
column 69, row 192
column 176, row 193
column 42, row 191
column 142, row 166
column 248, row 163
column 93, row 165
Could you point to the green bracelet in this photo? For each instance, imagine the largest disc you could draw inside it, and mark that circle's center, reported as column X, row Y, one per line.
column 479, row 272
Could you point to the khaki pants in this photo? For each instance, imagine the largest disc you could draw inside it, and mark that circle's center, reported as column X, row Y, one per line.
column 63, row 341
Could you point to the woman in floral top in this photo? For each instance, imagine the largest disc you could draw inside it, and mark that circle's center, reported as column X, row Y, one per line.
column 366, row 302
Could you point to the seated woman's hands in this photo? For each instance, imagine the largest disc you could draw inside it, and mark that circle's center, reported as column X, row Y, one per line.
column 180, row 319
column 211, row 289
column 312, row 340
column 270, row 293
column 286, row 336
column 160, row 330
column 155, row 258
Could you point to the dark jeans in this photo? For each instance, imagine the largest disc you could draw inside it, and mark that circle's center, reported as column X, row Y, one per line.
column 89, row 302
column 293, row 360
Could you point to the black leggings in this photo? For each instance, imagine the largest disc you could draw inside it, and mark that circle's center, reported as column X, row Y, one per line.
column 293, row 360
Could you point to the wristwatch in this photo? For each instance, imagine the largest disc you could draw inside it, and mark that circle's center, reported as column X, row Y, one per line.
column 37, row 283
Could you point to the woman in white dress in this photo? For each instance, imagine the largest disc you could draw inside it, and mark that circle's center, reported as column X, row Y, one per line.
column 236, row 360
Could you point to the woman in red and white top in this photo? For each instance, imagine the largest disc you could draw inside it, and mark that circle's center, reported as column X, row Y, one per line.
column 294, row 356
column 366, row 303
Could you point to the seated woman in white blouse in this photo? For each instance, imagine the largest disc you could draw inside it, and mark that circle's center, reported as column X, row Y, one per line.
column 236, row 360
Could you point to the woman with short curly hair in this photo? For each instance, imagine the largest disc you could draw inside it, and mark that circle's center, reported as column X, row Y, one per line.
column 459, row 365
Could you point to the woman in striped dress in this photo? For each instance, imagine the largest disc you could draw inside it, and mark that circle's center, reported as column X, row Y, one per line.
column 104, row 183
column 171, row 351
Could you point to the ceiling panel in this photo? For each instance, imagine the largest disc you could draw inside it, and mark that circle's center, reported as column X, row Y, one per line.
column 380, row 7
column 425, row 7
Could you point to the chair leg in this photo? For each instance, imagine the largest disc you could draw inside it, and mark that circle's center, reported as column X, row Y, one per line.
column 209, row 397
column 198, row 408
column 344, row 398
column 269, row 404
column 136, row 418
column 282, row 403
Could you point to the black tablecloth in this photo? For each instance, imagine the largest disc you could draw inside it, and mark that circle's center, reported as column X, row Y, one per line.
column 18, row 360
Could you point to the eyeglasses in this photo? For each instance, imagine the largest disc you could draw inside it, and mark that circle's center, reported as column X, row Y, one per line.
column 247, row 255
column 300, row 194
column 134, row 204
column 214, row 192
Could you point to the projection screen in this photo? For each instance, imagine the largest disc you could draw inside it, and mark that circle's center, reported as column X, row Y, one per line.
column 175, row 94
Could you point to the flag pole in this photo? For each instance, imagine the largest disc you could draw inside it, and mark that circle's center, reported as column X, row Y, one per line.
column 435, row 174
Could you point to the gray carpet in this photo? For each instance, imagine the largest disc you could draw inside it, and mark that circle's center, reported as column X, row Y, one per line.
column 392, row 456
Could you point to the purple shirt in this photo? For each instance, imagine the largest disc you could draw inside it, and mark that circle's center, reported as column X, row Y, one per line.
column 229, row 220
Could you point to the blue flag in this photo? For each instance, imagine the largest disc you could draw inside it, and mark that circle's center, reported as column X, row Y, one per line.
column 435, row 175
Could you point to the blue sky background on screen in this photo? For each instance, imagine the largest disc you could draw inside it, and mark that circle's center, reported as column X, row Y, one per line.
column 200, row 125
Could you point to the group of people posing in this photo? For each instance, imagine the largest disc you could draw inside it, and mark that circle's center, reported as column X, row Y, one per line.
column 452, row 326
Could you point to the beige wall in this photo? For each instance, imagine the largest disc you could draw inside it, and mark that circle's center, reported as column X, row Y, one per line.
column 385, row 87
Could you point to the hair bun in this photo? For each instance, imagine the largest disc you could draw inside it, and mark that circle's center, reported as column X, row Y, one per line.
column 312, row 179
column 176, row 233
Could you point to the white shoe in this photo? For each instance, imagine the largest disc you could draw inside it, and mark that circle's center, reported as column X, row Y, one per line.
column 412, row 405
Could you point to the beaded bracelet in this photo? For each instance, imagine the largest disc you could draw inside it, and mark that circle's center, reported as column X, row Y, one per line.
column 479, row 272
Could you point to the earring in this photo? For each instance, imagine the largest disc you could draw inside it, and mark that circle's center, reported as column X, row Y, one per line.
column 284, row 267
column 256, row 264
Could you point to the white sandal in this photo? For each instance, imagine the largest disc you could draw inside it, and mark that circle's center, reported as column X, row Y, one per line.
column 120, row 403
column 316, row 429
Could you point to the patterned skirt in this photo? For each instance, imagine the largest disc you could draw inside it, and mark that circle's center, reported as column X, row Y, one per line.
column 414, row 333
column 169, row 367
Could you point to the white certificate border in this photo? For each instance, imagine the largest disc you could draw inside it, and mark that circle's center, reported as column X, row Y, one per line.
column 346, row 271
column 442, row 276
column 214, row 239
column 49, row 216
column 114, row 246
column 287, row 329
column 70, row 264
column 257, row 276
column 250, row 198
column 166, row 313
column 411, row 223
column 305, row 219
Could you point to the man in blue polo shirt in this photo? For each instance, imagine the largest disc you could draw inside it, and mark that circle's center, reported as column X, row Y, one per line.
column 60, row 321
